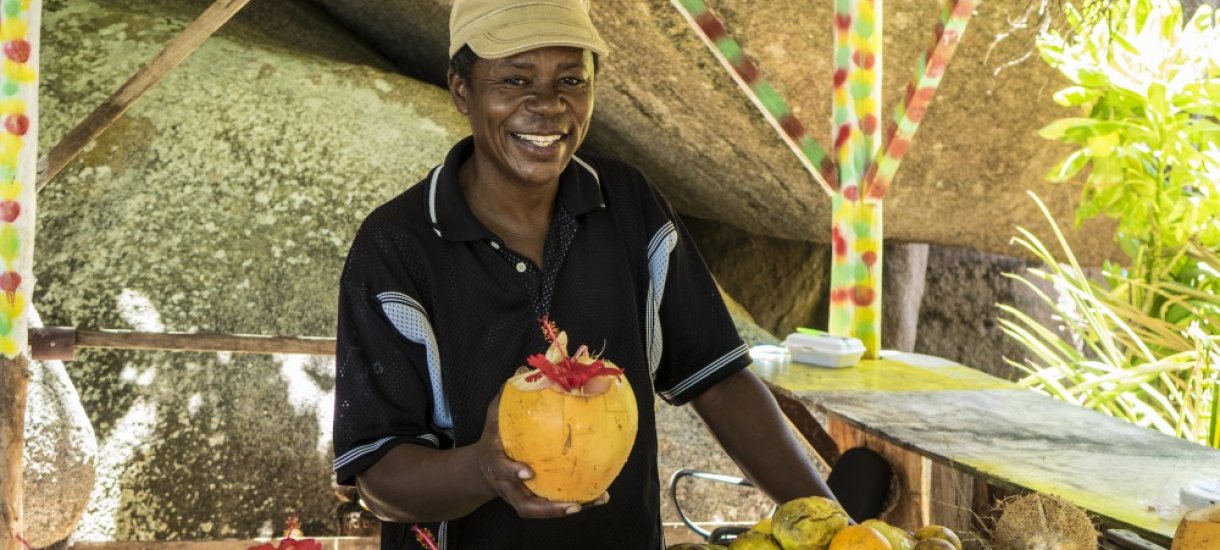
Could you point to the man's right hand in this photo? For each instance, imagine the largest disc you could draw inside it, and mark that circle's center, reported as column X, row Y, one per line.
column 416, row 483
column 506, row 478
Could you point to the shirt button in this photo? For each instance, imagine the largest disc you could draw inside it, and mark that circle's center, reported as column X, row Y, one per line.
column 520, row 267
column 495, row 245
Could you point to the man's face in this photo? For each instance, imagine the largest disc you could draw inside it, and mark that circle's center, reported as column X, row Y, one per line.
column 528, row 112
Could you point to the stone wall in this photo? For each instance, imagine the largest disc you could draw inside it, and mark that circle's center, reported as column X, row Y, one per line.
column 224, row 201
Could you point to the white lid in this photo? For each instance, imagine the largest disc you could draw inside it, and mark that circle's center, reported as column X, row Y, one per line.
column 824, row 342
column 1200, row 493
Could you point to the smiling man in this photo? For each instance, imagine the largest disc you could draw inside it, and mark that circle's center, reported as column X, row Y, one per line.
column 444, row 285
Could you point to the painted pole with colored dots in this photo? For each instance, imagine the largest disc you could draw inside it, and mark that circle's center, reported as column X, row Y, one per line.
column 925, row 80
column 861, row 169
column 855, row 268
column 866, row 169
column 18, row 168
column 19, row 24
column 760, row 91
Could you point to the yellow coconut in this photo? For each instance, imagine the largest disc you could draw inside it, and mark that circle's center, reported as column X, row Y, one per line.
column 938, row 532
column 934, row 544
column 898, row 539
column 859, row 537
column 763, row 526
column 1199, row 530
column 575, row 444
column 754, row 540
column 808, row 523
column 576, row 438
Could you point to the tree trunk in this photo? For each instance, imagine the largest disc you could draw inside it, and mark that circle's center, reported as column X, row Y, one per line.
column 14, row 379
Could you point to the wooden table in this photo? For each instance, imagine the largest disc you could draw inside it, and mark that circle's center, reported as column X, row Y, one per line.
column 944, row 425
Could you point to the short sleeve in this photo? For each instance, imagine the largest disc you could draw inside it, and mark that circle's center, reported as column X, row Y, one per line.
column 382, row 386
column 697, row 340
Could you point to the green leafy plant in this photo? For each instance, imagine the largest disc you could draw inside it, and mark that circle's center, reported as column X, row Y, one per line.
column 1139, row 341
column 1109, row 355
column 1149, row 86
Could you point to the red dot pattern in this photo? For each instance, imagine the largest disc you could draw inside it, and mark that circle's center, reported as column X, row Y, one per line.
column 710, row 25
column 868, row 124
column 17, row 50
column 9, row 210
column 843, row 22
column 792, row 127
column 862, row 295
column 17, row 124
column 843, row 135
column 747, row 70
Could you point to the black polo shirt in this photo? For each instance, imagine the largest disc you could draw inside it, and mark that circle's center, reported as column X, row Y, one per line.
column 435, row 313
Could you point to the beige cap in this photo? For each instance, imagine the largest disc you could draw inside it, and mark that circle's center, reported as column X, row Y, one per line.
column 496, row 29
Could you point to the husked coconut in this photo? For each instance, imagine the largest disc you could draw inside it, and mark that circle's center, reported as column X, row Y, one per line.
column 1043, row 522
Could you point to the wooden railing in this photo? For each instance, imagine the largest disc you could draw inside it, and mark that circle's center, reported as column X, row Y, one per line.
column 61, row 343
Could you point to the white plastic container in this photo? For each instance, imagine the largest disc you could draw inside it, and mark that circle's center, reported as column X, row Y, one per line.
column 1200, row 493
column 824, row 350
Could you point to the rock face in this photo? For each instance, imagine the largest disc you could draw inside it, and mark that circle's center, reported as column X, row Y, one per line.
column 957, row 318
column 782, row 283
column 903, row 281
column 60, row 453
column 665, row 105
column 224, row 201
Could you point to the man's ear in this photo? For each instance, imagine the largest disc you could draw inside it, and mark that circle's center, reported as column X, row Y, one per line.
column 459, row 91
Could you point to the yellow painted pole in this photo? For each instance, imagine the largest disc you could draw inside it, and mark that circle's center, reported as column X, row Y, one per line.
column 855, row 276
column 19, row 25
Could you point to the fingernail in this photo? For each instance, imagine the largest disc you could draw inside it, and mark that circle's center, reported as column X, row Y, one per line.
column 572, row 510
column 523, row 474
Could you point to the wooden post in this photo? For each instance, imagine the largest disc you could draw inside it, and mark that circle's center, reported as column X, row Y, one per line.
column 14, row 376
column 19, row 26
column 148, row 76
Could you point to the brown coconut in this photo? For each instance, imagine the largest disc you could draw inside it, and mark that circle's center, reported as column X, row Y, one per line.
column 1043, row 522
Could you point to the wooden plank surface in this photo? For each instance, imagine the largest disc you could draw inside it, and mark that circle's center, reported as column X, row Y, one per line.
column 894, row 372
column 1126, row 475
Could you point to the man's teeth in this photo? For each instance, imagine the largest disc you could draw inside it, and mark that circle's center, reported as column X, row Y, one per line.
column 541, row 141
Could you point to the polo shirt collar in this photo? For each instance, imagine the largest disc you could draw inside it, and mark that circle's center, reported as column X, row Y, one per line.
column 579, row 193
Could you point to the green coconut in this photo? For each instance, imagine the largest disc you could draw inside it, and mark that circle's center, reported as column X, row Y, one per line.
column 808, row 523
